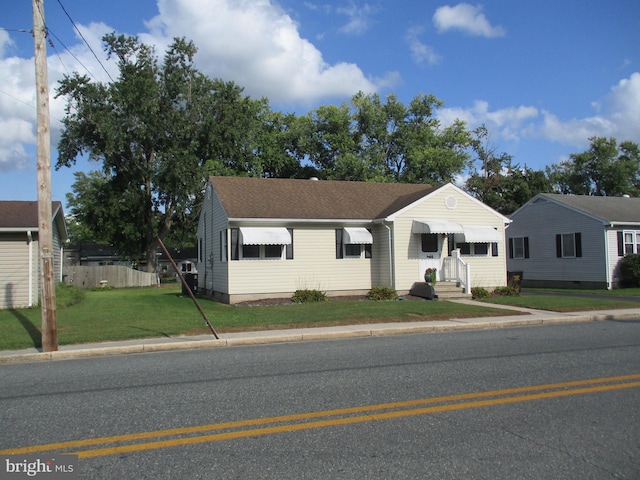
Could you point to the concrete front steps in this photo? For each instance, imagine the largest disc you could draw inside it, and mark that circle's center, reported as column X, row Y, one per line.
column 450, row 291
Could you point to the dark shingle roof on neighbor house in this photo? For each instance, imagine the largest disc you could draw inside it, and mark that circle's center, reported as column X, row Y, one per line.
column 17, row 214
column 271, row 198
column 617, row 210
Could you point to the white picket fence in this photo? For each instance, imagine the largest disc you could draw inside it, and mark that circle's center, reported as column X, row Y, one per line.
column 117, row 276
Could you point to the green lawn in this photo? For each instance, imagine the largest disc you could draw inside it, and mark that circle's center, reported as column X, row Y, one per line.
column 119, row 314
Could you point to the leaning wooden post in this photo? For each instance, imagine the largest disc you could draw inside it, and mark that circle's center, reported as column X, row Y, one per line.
column 186, row 285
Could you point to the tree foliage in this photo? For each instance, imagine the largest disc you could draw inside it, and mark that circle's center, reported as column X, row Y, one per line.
column 606, row 169
column 497, row 181
column 158, row 131
column 370, row 139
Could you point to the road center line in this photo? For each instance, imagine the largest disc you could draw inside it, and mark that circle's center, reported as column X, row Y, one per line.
column 351, row 415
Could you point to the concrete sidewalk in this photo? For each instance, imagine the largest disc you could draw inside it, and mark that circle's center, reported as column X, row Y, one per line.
column 525, row 317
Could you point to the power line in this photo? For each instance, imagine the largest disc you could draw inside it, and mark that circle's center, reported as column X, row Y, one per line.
column 85, row 40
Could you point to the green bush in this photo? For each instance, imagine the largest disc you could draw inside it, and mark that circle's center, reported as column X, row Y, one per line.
column 479, row 292
column 382, row 293
column 308, row 296
column 67, row 295
column 629, row 270
column 506, row 292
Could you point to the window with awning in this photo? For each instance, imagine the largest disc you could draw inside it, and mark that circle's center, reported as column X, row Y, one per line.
column 265, row 236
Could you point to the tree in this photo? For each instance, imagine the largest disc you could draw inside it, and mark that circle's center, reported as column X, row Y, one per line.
column 372, row 140
column 158, row 131
column 606, row 169
column 499, row 183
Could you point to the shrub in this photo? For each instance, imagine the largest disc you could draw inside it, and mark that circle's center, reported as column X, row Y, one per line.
column 308, row 296
column 382, row 293
column 479, row 292
column 629, row 270
column 506, row 292
column 67, row 295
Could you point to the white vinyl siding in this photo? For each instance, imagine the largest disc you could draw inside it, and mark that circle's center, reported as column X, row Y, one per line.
column 486, row 270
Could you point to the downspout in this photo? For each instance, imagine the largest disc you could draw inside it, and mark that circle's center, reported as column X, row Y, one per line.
column 391, row 271
column 607, row 264
column 30, row 243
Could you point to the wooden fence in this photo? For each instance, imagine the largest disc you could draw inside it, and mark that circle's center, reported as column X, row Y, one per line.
column 116, row 276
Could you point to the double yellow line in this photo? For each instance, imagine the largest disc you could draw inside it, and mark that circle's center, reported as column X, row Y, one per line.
column 137, row 442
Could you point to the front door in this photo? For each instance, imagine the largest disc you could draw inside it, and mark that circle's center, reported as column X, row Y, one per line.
column 430, row 253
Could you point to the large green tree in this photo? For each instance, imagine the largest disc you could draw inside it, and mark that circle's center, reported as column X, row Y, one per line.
column 370, row 139
column 158, row 130
column 606, row 168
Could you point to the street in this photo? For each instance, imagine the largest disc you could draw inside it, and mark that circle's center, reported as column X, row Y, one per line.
column 534, row 402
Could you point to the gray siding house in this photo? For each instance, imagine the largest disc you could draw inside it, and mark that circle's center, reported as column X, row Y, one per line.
column 572, row 240
column 266, row 238
column 19, row 251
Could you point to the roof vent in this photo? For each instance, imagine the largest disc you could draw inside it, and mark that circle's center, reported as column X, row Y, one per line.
column 315, row 179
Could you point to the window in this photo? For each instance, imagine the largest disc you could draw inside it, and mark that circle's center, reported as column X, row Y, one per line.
column 569, row 245
column 519, row 247
column 476, row 249
column 430, row 242
column 241, row 251
column 344, row 249
column 628, row 242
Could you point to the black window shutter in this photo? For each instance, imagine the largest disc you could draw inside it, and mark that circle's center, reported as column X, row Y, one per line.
column 620, row 244
column 494, row 249
column 511, row 248
column 339, row 249
column 526, row 247
column 235, row 247
column 578, row 237
column 558, row 246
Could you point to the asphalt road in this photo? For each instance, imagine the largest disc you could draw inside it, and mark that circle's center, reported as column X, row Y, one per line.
column 535, row 402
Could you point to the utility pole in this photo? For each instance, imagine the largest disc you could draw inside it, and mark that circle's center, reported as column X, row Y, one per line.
column 45, row 236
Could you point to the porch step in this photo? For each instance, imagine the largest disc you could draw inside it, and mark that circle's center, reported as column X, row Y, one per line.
column 450, row 290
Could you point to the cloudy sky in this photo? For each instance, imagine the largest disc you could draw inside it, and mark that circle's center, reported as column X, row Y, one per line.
column 542, row 75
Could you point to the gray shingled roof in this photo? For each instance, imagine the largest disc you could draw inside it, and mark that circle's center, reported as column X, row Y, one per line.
column 309, row 199
column 610, row 209
column 22, row 214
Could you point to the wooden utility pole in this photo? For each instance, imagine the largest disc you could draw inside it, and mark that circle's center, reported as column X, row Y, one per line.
column 45, row 235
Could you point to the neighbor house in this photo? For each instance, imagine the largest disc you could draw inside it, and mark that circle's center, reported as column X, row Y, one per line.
column 20, row 251
column 266, row 238
column 572, row 240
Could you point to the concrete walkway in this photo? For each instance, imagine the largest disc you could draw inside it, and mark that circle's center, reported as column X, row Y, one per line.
column 525, row 317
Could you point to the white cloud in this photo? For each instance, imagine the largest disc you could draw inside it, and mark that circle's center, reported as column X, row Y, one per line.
column 467, row 18
column 509, row 123
column 258, row 46
column 420, row 52
column 359, row 18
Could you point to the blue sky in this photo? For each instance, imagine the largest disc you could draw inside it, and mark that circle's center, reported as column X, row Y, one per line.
column 542, row 75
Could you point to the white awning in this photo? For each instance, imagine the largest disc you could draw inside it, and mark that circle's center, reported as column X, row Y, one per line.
column 357, row 235
column 436, row 226
column 265, row 236
column 480, row 234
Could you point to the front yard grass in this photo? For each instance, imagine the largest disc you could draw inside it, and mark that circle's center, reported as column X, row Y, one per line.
column 568, row 303
column 123, row 314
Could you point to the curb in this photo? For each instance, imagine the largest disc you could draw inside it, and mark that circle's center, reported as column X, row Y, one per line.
column 311, row 335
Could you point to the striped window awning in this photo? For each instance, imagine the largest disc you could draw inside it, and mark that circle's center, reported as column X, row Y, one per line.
column 355, row 235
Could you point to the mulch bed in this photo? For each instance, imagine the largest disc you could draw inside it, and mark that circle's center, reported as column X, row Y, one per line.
column 264, row 302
